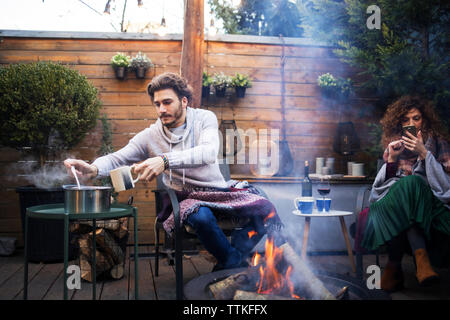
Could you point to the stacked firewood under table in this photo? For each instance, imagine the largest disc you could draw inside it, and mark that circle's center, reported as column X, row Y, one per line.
column 111, row 238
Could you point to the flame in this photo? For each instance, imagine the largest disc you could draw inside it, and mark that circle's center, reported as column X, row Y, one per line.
column 290, row 284
column 271, row 281
column 252, row 233
column 256, row 258
column 271, row 215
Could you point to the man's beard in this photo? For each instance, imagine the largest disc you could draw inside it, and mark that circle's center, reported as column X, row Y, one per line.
column 178, row 114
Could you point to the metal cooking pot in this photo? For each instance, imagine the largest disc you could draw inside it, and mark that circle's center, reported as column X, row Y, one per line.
column 86, row 199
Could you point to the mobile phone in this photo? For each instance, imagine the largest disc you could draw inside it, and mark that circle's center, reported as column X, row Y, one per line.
column 411, row 129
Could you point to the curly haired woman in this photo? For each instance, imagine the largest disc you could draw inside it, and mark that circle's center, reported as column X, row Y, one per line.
column 410, row 198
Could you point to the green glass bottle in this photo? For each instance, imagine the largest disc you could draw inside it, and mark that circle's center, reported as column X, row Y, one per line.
column 306, row 182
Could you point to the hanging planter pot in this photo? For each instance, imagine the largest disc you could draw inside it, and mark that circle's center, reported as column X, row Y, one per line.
column 241, row 82
column 329, row 93
column 221, row 82
column 140, row 63
column 120, row 62
column 220, row 92
column 205, row 91
column 240, row 92
column 140, row 72
column 120, row 72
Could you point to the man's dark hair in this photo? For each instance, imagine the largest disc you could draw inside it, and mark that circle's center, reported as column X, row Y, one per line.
column 172, row 81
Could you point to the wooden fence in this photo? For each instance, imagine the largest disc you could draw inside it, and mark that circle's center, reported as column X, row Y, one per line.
column 311, row 121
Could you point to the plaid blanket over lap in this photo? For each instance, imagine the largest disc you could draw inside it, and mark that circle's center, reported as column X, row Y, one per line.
column 233, row 204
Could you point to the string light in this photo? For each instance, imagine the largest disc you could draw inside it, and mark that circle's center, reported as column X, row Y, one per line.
column 212, row 31
column 162, row 30
column 107, row 8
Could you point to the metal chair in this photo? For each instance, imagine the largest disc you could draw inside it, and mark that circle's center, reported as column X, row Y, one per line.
column 362, row 201
column 227, row 225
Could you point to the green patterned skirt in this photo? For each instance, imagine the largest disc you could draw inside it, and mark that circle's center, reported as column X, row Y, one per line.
column 410, row 201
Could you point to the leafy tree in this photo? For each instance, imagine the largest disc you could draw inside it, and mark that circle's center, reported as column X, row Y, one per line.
column 254, row 17
column 409, row 55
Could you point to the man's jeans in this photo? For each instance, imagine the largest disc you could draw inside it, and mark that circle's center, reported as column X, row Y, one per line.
column 214, row 240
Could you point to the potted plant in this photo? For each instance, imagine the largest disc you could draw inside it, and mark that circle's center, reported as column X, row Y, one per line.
column 140, row 63
column 335, row 87
column 241, row 82
column 120, row 63
column 206, row 84
column 45, row 108
column 327, row 84
column 221, row 82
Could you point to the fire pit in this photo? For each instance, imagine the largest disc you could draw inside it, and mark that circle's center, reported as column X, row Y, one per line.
column 198, row 288
column 278, row 274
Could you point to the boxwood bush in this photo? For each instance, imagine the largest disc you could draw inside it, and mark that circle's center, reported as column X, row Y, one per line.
column 45, row 106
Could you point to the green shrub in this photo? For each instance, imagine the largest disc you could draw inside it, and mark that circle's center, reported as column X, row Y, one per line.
column 45, row 106
column 335, row 87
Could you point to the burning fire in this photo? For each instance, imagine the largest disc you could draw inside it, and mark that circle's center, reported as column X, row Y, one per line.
column 252, row 233
column 270, row 215
column 271, row 281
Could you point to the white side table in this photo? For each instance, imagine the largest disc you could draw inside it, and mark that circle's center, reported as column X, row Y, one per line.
column 331, row 213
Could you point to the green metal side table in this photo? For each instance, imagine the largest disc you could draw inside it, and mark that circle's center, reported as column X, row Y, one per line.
column 56, row 211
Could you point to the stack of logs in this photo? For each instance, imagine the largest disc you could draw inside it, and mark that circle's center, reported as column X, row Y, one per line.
column 242, row 285
column 111, row 238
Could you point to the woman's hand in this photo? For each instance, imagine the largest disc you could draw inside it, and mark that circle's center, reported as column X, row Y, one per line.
column 415, row 144
column 150, row 168
column 395, row 148
column 83, row 170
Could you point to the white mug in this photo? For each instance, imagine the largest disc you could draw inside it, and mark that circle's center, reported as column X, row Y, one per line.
column 330, row 164
column 349, row 168
column 304, row 204
column 122, row 179
column 358, row 169
column 319, row 165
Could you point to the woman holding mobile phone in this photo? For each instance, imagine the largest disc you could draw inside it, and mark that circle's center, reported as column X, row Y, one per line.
column 410, row 197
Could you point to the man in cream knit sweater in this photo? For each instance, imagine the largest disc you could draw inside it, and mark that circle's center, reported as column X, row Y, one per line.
column 183, row 145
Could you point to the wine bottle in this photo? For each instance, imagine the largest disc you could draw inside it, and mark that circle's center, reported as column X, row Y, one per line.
column 306, row 182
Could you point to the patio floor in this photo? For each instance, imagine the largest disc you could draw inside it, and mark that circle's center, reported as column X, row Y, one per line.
column 45, row 280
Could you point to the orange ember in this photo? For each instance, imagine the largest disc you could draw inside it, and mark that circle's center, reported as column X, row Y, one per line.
column 271, row 215
column 271, row 281
column 252, row 233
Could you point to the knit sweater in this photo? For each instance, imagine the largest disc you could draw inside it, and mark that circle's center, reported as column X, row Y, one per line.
column 192, row 156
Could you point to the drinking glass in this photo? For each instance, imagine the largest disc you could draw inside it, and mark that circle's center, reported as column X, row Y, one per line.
column 324, row 189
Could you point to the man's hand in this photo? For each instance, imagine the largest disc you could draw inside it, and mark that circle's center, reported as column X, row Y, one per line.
column 415, row 144
column 150, row 168
column 83, row 170
column 395, row 148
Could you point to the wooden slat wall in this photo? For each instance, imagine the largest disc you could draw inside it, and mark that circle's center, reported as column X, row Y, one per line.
column 310, row 120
